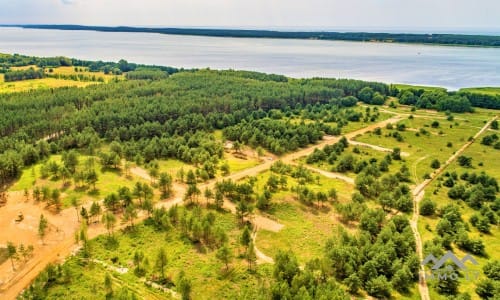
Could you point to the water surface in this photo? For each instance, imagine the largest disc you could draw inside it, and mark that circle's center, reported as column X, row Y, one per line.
column 451, row 67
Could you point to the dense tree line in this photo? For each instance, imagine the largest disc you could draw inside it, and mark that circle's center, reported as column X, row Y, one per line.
column 17, row 60
column 436, row 99
column 482, row 100
column 276, row 136
column 435, row 38
column 440, row 99
column 146, row 73
column 23, row 75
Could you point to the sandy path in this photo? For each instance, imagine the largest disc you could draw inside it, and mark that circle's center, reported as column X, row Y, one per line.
column 375, row 147
column 333, row 175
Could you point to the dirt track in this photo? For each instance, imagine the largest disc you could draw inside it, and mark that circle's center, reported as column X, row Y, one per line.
column 57, row 251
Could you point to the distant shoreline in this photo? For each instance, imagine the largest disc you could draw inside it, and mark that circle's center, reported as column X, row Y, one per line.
column 440, row 39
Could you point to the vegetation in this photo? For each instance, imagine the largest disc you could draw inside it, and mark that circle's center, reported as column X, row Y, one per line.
column 203, row 195
column 448, row 39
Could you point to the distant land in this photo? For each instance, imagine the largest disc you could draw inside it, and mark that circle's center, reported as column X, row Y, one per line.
column 415, row 38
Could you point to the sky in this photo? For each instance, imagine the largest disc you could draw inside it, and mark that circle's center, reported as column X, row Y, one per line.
column 413, row 15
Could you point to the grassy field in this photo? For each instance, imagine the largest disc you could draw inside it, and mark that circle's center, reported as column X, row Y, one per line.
column 44, row 83
column 206, row 273
column 434, row 144
column 362, row 153
column 491, row 165
column 47, row 83
column 306, row 227
column 401, row 86
column 483, row 90
column 237, row 164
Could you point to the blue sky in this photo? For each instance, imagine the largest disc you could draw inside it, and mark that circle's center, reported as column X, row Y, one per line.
column 330, row 14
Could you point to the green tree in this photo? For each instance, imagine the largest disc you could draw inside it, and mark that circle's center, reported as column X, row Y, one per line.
column 488, row 289
column 130, row 214
column 427, row 207
column 95, row 209
column 246, row 238
column 494, row 125
column 286, row 266
column 184, row 285
column 108, row 285
column 396, row 154
column 109, row 221
column 251, row 256
column 42, row 228
column 75, row 204
column 161, row 261
column 219, row 199
column 379, row 287
column 12, row 253
column 225, row 255
column 165, row 184
column 435, row 164
column 208, row 194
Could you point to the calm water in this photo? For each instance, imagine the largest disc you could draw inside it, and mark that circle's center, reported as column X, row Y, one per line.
column 452, row 67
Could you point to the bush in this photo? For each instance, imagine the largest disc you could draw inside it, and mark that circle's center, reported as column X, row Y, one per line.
column 435, row 164
column 427, row 207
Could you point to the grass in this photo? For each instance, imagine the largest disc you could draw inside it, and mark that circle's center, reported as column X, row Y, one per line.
column 492, row 91
column 47, row 83
column 401, row 86
column 44, row 83
column 424, row 148
column 353, row 126
column 365, row 153
column 306, row 227
column 237, row 164
column 206, row 273
column 491, row 166
column 172, row 166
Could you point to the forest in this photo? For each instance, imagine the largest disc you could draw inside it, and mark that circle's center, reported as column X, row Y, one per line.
column 225, row 184
column 435, row 38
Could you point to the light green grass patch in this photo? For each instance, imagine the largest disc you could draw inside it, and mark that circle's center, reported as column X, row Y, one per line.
column 237, row 164
column 424, row 148
column 43, row 83
column 493, row 91
column 307, row 228
column 401, row 86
